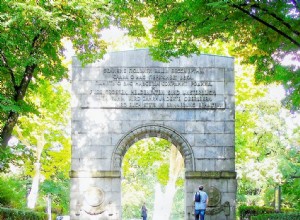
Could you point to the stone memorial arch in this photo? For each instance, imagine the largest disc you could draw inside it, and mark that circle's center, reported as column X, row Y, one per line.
column 126, row 97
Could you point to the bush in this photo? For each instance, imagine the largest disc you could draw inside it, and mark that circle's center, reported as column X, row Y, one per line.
column 277, row 216
column 247, row 211
column 12, row 193
column 15, row 214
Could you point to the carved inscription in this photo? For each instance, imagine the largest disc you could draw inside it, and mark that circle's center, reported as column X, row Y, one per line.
column 126, row 87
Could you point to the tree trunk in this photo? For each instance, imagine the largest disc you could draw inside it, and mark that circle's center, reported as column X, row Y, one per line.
column 20, row 92
column 164, row 200
column 34, row 191
column 8, row 128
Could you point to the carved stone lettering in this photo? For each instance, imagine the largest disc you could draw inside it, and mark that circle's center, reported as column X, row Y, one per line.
column 125, row 87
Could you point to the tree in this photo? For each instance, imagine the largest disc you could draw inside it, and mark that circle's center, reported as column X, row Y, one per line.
column 164, row 198
column 267, row 152
column 45, row 134
column 31, row 47
column 264, row 33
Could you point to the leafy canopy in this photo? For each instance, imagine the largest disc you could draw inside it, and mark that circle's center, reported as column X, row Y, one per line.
column 31, row 47
column 264, row 32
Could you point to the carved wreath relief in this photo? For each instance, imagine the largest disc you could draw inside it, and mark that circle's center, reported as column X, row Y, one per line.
column 214, row 204
column 94, row 201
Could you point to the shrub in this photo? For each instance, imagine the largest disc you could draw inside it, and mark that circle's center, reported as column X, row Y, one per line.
column 15, row 214
column 12, row 193
column 277, row 216
column 247, row 211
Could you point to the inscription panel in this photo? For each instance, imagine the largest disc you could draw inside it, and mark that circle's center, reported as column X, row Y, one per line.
column 162, row 87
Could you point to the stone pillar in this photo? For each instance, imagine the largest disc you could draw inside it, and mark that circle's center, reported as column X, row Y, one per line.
column 96, row 194
column 221, row 189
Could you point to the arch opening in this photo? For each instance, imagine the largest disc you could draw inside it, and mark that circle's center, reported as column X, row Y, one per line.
column 153, row 175
column 148, row 131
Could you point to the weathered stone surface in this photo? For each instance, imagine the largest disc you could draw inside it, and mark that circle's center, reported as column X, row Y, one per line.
column 95, row 174
column 210, row 175
column 203, row 140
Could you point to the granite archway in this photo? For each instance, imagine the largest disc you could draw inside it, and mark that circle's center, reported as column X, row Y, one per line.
column 126, row 97
column 153, row 130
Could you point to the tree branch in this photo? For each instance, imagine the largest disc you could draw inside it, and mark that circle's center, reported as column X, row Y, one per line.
column 4, row 60
column 20, row 94
column 267, row 24
column 277, row 18
column 259, row 138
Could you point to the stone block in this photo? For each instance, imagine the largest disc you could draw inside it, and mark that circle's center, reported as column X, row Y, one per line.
column 185, row 115
column 206, row 61
column 224, row 115
column 229, row 152
column 116, row 139
column 115, row 185
column 107, row 184
column 225, row 140
column 199, row 152
column 189, row 61
column 202, row 140
column 231, row 185
column 229, row 88
column 205, row 115
column 225, row 165
column 230, row 197
column 126, row 126
column 214, row 127
column 229, row 127
column 213, row 152
column 229, row 101
column 190, row 139
column 229, row 74
column 82, row 140
column 220, row 88
column 75, row 163
column 178, row 126
column 116, row 59
column 194, row 127
column 93, row 164
column 224, row 62
column 206, row 164
column 115, row 127
column 160, row 115
column 220, row 184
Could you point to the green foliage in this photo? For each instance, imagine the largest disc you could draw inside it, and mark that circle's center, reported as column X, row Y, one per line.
column 31, row 48
column 263, row 32
column 59, row 191
column 45, row 134
column 15, row 214
column 266, row 148
column 146, row 164
column 247, row 212
column 13, row 192
column 7, row 105
column 14, row 156
column 279, row 216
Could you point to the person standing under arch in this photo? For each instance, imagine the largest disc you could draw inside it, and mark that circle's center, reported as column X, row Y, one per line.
column 200, row 203
column 144, row 212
